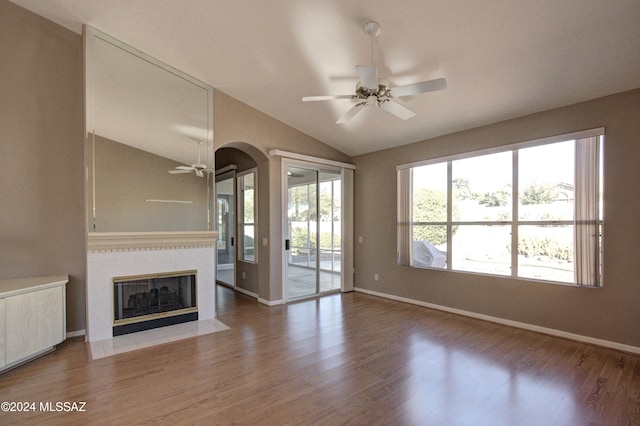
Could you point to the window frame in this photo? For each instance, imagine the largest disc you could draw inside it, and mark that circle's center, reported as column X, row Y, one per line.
column 405, row 255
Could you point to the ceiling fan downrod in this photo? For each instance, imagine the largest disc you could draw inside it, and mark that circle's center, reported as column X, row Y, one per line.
column 372, row 29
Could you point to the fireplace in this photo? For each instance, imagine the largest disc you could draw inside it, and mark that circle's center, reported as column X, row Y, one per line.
column 149, row 301
column 136, row 254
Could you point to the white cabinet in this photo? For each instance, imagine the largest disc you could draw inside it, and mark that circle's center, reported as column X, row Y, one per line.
column 2, row 357
column 33, row 313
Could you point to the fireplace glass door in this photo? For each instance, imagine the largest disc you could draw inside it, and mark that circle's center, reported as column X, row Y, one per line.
column 151, row 297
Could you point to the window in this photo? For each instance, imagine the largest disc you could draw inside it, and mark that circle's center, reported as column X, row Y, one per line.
column 247, row 213
column 531, row 210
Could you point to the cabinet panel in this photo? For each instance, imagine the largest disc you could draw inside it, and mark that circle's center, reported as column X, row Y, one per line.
column 2, row 333
column 51, row 317
column 33, row 323
column 21, row 322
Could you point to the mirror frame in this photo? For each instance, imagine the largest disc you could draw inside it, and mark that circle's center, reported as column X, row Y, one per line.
column 89, row 36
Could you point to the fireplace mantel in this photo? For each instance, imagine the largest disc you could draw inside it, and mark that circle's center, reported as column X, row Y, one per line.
column 132, row 241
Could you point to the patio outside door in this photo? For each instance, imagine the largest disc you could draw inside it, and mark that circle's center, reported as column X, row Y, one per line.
column 225, row 214
column 314, row 229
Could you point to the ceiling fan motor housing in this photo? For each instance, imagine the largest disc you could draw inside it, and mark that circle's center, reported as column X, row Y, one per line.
column 382, row 94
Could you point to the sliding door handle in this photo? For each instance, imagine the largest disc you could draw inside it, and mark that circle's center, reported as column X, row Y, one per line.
column 287, row 245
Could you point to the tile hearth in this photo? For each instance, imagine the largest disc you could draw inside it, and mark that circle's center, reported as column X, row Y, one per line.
column 153, row 337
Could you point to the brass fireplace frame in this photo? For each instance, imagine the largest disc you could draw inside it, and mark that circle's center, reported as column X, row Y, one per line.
column 156, row 315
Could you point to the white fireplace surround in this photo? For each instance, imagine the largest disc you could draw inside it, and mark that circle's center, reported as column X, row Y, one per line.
column 116, row 254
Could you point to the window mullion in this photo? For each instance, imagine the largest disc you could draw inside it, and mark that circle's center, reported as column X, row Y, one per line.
column 449, row 214
column 514, row 214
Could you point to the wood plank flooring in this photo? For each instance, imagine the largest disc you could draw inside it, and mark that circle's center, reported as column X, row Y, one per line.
column 342, row 359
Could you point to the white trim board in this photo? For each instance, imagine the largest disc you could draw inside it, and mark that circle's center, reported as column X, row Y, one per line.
column 259, row 299
column 598, row 131
column 247, row 292
column 309, row 158
column 544, row 330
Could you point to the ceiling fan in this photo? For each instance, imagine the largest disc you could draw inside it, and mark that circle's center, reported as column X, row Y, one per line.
column 374, row 91
column 198, row 168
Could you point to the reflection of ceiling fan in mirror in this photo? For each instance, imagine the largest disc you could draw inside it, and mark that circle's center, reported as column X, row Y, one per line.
column 374, row 91
column 198, row 168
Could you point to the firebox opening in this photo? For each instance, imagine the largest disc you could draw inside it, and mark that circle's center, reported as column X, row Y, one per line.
column 151, row 301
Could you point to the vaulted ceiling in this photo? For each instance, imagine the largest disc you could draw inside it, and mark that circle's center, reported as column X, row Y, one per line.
column 501, row 58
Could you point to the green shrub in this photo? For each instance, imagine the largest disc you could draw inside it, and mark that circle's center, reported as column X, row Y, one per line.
column 539, row 193
column 533, row 247
column 430, row 205
column 299, row 238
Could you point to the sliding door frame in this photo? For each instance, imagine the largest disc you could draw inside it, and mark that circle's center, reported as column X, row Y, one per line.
column 346, row 172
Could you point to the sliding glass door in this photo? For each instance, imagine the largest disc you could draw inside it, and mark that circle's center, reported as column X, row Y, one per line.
column 313, row 242
column 225, row 214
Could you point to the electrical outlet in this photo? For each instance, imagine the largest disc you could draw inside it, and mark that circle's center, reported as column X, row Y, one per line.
column 360, row 239
column 375, row 277
column 244, row 276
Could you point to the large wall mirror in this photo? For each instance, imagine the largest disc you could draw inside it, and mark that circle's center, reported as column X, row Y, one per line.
column 149, row 147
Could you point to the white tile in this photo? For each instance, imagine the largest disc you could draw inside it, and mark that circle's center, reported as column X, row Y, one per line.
column 103, row 266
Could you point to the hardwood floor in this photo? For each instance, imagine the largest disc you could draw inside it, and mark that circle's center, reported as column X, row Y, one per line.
column 341, row 359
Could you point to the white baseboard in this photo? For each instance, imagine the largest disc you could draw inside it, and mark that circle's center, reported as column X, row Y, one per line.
column 247, row 292
column 260, row 300
column 76, row 333
column 544, row 330
column 271, row 302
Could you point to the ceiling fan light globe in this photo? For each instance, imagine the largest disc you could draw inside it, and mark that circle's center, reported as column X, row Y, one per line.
column 368, row 76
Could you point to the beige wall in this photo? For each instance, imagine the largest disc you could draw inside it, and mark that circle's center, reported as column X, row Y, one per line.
column 237, row 122
column 610, row 313
column 240, row 126
column 42, row 225
column 42, row 213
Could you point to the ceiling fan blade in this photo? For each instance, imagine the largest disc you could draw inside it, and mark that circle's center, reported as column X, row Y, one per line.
column 325, row 98
column 190, row 168
column 177, row 172
column 368, row 77
column 397, row 110
column 351, row 113
column 199, row 173
column 417, row 88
